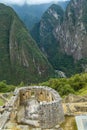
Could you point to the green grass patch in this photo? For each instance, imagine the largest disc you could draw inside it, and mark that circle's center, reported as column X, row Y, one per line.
column 69, row 123
column 1, row 102
column 82, row 92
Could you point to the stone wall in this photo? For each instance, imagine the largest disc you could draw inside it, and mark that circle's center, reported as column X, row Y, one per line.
column 50, row 111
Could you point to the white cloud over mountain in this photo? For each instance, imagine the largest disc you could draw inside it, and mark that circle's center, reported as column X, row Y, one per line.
column 21, row 2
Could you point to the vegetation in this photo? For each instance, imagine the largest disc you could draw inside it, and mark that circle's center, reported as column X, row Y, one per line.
column 51, row 47
column 1, row 102
column 20, row 57
column 84, row 16
column 68, row 66
column 69, row 123
column 4, row 87
column 76, row 84
column 28, row 13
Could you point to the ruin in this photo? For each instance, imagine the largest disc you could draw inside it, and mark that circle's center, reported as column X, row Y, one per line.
column 37, row 106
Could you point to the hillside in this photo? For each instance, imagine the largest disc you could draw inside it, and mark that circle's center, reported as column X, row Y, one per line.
column 43, row 33
column 66, row 45
column 20, row 58
column 28, row 13
column 73, row 35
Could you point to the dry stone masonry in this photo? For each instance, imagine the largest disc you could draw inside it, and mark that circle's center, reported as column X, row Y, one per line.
column 36, row 106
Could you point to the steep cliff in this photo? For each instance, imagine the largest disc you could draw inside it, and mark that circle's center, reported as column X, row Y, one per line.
column 69, row 32
column 73, row 32
column 28, row 13
column 20, row 58
column 44, row 33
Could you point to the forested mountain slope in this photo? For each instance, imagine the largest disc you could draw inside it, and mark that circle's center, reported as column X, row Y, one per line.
column 20, row 57
column 62, row 36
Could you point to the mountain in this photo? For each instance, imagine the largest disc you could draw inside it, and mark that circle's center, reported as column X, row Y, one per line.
column 20, row 58
column 62, row 36
column 72, row 34
column 28, row 13
column 63, row 4
column 44, row 34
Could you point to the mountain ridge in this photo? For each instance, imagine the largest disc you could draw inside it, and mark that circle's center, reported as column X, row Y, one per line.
column 43, row 33
column 69, row 36
column 21, row 59
column 29, row 14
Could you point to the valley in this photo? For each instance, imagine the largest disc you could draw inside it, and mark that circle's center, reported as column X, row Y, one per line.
column 45, row 49
column 29, row 14
column 61, row 36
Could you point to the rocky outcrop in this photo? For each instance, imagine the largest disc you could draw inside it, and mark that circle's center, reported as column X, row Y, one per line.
column 65, row 46
column 43, row 33
column 72, row 33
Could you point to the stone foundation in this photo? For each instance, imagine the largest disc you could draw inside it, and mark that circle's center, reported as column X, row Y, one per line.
column 35, row 106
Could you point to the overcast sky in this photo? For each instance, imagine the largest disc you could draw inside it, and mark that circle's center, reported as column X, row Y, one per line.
column 21, row 2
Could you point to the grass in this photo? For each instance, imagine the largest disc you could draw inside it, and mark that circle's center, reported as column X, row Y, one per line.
column 69, row 123
column 1, row 102
column 82, row 92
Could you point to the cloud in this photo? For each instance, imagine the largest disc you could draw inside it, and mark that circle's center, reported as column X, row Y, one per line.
column 40, row 1
column 21, row 2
